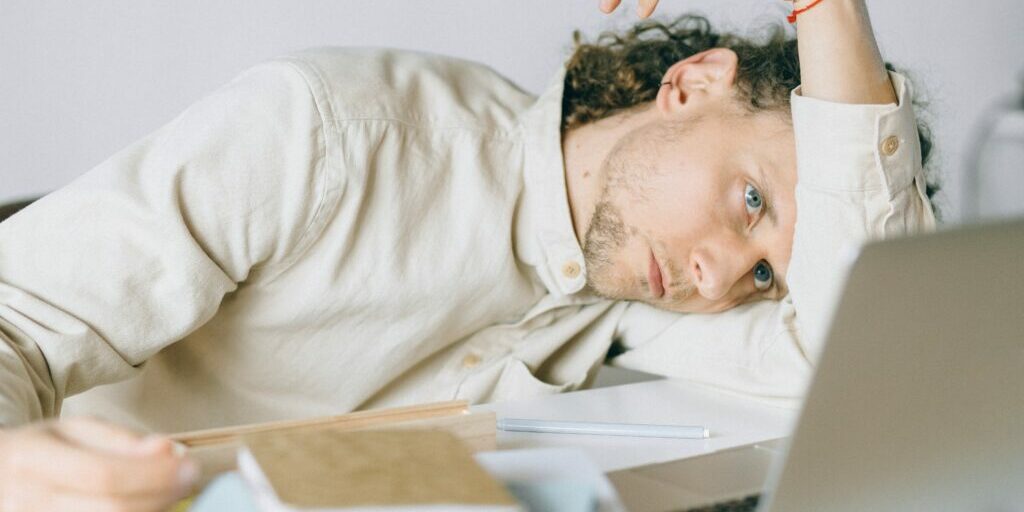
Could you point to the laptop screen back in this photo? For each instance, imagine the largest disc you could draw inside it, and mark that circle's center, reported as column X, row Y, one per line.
column 918, row 401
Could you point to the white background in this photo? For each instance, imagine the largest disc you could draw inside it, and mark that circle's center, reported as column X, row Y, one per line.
column 80, row 80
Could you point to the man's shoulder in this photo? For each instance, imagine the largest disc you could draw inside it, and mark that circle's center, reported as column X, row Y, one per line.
column 342, row 62
column 410, row 86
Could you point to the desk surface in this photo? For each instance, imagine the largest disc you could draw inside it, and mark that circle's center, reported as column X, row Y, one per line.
column 733, row 421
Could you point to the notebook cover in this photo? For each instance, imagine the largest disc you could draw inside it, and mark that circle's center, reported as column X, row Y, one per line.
column 336, row 469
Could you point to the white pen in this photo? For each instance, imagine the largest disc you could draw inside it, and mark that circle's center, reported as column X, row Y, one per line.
column 603, row 429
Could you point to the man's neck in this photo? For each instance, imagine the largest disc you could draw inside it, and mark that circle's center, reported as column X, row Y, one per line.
column 584, row 152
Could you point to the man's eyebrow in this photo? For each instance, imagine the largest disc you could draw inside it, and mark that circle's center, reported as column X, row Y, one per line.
column 769, row 195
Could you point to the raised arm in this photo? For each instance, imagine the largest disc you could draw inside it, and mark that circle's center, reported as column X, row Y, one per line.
column 839, row 58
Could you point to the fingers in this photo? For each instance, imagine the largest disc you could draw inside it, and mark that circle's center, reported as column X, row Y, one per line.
column 32, row 497
column 86, row 465
column 608, row 6
column 80, row 469
column 646, row 8
column 98, row 435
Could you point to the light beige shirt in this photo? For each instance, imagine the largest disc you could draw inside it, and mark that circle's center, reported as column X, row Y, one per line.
column 347, row 229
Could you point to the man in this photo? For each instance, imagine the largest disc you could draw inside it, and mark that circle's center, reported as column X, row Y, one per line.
column 340, row 229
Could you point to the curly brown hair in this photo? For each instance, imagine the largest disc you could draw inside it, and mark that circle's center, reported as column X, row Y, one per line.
column 622, row 70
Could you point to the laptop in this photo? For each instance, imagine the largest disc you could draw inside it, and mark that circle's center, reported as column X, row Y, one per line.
column 917, row 402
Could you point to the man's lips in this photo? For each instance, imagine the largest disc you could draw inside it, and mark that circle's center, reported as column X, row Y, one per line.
column 654, row 279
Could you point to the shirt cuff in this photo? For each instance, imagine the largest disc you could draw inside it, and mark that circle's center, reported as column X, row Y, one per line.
column 879, row 137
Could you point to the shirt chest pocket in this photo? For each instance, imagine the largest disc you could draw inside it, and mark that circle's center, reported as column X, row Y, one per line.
column 508, row 359
column 518, row 381
column 493, row 364
column 512, row 380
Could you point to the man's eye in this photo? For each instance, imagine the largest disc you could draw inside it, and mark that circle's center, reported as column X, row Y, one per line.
column 752, row 198
column 763, row 275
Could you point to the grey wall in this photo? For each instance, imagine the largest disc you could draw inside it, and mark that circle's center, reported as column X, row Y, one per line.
column 80, row 79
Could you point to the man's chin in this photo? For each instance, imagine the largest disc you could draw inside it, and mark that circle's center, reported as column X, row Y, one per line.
column 694, row 304
column 612, row 291
column 691, row 304
column 674, row 307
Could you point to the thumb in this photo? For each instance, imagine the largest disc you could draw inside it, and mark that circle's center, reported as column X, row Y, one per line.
column 101, row 436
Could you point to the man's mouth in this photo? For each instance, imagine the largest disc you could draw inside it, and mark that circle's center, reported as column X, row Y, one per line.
column 654, row 278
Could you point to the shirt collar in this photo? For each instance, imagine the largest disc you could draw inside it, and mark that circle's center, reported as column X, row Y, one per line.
column 545, row 238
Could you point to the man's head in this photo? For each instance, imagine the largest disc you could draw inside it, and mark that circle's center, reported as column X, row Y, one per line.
column 694, row 206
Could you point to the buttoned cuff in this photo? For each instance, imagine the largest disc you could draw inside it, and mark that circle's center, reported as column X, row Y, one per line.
column 834, row 138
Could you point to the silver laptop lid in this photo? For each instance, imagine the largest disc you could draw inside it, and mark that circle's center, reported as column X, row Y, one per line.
column 918, row 400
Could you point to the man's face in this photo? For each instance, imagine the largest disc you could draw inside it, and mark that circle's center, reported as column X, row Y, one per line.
column 697, row 213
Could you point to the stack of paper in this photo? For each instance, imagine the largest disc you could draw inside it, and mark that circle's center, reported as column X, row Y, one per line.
column 216, row 449
column 544, row 480
column 368, row 471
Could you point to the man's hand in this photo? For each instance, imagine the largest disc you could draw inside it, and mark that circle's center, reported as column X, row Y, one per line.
column 85, row 465
column 644, row 8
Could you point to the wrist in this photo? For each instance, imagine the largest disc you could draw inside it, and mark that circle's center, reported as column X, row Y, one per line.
column 802, row 9
column 839, row 59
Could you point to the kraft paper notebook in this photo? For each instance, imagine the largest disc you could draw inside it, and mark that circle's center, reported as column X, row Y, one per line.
column 368, row 471
column 217, row 449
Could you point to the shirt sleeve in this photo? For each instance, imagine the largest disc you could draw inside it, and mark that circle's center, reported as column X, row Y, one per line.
column 860, row 178
column 141, row 250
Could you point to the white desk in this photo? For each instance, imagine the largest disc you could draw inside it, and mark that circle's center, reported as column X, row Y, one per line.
column 733, row 421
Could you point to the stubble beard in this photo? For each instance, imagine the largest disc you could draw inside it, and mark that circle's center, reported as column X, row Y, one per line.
column 627, row 171
column 607, row 232
column 606, row 236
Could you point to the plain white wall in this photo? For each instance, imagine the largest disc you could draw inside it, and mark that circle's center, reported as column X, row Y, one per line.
column 80, row 80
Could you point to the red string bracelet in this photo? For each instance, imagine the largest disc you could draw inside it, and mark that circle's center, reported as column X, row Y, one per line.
column 796, row 12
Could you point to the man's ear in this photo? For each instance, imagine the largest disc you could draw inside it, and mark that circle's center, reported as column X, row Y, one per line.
column 706, row 75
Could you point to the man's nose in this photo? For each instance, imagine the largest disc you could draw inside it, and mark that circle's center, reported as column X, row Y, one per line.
column 717, row 265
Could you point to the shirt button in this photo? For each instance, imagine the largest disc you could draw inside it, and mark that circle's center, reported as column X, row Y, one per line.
column 890, row 145
column 470, row 361
column 571, row 269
